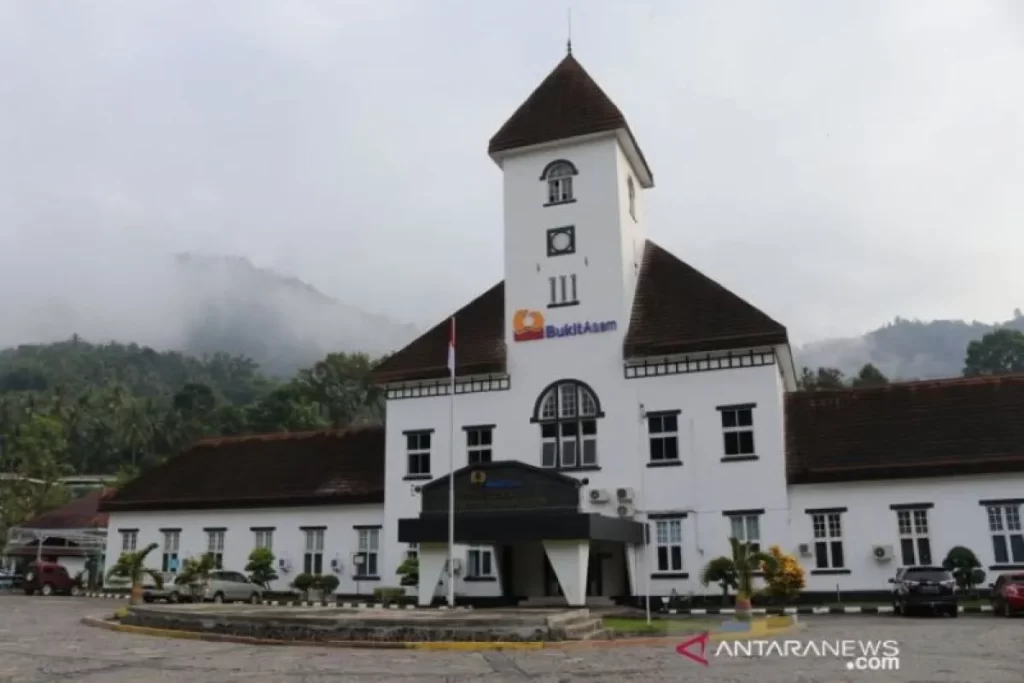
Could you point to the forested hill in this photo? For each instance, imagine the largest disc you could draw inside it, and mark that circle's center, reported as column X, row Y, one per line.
column 905, row 349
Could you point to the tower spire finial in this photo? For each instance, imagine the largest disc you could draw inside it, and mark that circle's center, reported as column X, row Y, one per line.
column 568, row 42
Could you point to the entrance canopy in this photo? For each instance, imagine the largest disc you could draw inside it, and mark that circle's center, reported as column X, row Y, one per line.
column 511, row 501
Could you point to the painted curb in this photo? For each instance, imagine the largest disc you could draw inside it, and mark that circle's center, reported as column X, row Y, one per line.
column 298, row 603
column 437, row 646
column 853, row 609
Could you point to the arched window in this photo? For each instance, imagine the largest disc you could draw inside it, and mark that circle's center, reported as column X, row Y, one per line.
column 558, row 175
column 632, row 197
column 567, row 412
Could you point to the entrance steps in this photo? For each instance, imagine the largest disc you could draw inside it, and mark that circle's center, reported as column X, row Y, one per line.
column 559, row 601
column 576, row 625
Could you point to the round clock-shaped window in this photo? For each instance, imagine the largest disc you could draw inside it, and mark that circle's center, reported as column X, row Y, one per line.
column 561, row 241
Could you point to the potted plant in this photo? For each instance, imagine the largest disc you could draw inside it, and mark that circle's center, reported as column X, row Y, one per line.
column 965, row 567
column 261, row 567
column 328, row 584
column 303, row 583
column 785, row 579
column 194, row 573
column 722, row 571
column 409, row 570
column 132, row 566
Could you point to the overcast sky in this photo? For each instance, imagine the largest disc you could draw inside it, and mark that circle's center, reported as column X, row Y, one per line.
column 835, row 163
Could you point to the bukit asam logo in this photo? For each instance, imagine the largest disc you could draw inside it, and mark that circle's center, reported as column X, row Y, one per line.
column 860, row 655
column 528, row 324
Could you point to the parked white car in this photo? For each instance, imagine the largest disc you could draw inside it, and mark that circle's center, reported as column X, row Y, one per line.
column 222, row 586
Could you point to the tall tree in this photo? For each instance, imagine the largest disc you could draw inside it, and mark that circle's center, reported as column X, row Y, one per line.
column 997, row 353
column 869, row 376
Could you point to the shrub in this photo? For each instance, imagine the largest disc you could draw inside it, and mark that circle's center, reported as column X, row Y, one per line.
column 388, row 594
column 261, row 567
column 409, row 570
column 964, row 565
column 329, row 583
column 304, row 582
column 786, row 578
column 721, row 571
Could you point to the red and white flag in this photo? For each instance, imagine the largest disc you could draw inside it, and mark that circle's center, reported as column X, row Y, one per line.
column 451, row 348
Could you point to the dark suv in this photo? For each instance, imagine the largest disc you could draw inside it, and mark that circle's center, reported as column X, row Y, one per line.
column 924, row 588
column 49, row 578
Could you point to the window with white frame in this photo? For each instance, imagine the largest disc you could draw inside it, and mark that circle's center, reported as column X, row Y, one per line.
column 479, row 444
column 738, row 430
column 215, row 546
column 663, row 434
column 412, row 551
column 369, row 549
column 746, row 528
column 417, row 446
column 559, row 175
column 129, row 540
column 915, row 546
column 668, row 545
column 263, row 537
column 1007, row 537
column 479, row 563
column 172, row 541
column 313, row 557
column 828, row 540
column 567, row 412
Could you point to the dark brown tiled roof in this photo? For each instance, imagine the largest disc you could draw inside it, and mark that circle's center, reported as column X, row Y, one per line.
column 479, row 344
column 568, row 103
column 332, row 467
column 676, row 310
column 81, row 513
column 913, row 429
column 679, row 310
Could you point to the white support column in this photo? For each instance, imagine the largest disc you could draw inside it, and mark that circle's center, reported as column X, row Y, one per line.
column 569, row 560
column 432, row 559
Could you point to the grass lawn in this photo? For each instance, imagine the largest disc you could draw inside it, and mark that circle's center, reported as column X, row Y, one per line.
column 659, row 627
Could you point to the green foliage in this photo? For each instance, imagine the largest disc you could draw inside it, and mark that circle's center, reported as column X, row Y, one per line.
column 409, row 570
column 261, row 567
column 132, row 566
column 31, row 462
column 304, row 582
column 965, row 566
column 328, row 583
column 721, row 571
column 997, row 353
column 388, row 594
column 833, row 378
column 195, row 570
column 747, row 561
column 74, row 407
column 785, row 578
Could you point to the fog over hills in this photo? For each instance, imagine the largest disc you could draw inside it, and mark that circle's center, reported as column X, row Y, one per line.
column 198, row 304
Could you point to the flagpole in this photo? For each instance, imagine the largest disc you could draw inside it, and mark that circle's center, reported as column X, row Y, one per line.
column 451, row 475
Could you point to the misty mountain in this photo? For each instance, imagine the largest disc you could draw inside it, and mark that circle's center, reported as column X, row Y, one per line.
column 196, row 304
column 904, row 349
column 280, row 322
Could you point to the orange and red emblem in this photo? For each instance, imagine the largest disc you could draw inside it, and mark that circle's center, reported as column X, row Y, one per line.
column 527, row 325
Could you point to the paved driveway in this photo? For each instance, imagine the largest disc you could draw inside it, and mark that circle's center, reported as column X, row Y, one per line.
column 42, row 641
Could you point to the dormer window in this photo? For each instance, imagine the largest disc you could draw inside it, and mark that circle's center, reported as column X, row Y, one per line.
column 558, row 175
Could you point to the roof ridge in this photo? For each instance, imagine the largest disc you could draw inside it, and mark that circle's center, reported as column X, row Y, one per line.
column 910, row 384
column 281, row 436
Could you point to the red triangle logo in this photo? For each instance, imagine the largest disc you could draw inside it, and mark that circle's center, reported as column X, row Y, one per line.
column 687, row 647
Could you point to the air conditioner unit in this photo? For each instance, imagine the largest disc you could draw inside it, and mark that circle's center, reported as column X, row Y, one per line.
column 599, row 496
column 805, row 549
column 456, row 566
column 882, row 553
column 284, row 565
column 625, row 510
column 336, row 565
column 625, row 495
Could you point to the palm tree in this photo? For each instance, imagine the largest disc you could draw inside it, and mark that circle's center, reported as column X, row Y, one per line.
column 747, row 561
column 132, row 566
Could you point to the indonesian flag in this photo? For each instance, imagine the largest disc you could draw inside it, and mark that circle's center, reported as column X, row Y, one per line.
column 451, row 348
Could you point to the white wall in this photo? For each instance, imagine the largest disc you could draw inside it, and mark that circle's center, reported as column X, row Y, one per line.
column 340, row 536
column 957, row 518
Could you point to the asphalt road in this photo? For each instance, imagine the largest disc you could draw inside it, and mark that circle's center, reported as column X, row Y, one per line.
column 41, row 640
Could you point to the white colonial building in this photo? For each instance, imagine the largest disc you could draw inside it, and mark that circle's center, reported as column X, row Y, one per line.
column 602, row 387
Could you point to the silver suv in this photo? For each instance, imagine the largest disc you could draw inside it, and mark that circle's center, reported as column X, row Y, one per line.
column 222, row 586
